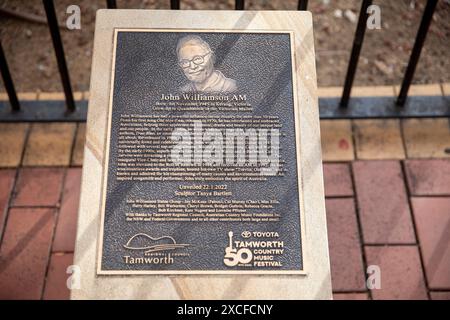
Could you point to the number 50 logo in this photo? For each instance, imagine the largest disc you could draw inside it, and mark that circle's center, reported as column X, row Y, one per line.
column 233, row 256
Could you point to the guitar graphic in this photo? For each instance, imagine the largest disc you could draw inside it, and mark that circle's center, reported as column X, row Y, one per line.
column 233, row 256
column 153, row 244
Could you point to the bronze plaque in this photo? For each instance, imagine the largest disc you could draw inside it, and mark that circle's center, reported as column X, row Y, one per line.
column 202, row 155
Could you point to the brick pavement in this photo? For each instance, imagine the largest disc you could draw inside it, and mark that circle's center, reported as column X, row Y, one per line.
column 387, row 188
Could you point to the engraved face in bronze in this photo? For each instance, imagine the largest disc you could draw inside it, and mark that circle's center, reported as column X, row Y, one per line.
column 196, row 60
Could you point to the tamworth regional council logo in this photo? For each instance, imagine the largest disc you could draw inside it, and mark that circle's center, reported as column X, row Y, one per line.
column 155, row 250
column 256, row 249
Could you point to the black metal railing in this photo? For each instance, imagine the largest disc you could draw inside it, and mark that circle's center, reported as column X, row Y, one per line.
column 9, row 85
column 356, row 50
column 345, row 107
column 59, row 51
column 417, row 49
column 111, row 4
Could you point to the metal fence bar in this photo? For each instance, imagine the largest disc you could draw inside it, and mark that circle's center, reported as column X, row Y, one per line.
column 175, row 4
column 415, row 53
column 7, row 80
column 330, row 108
column 111, row 4
column 356, row 49
column 239, row 5
column 59, row 51
column 302, row 5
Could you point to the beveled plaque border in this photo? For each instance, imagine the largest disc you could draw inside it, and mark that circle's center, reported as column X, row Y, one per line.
column 107, row 141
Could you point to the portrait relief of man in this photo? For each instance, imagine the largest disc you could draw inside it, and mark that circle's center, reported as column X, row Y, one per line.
column 196, row 59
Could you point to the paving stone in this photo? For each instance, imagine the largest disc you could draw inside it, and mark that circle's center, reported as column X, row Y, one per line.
column 12, row 140
column 51, row 96
column 365, row 91
column 427, row 138
column 422, row 90
column 337, row 179
column 378, row 139
column 38, row 187
column 428, row 177
column 432, row 216
column 7, row 177
column 67, row 220
column 56, row 282
column 373, row 91
column 401, row 272
column 329, row 92
column 78, row 150
column 49, row 144
column 383, row 203
column 440, row 295
column 446, row 89
column 24, row 252
column 77, row 95
column 337, row 142
column 350, row 296
column 22, row 96
column 347, row 270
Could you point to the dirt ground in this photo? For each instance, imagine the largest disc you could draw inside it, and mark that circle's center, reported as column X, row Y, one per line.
column 383, row 60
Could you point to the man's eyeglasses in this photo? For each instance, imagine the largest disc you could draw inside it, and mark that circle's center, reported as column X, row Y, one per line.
column 197, row 60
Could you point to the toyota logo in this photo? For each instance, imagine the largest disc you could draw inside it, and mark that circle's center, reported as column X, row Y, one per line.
column 246, row 234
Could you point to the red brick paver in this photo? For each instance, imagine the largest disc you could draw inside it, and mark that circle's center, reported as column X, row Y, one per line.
column 337, row 180
column 432, row 216
column 347, row 271
column 350, row 296
column 38, row 187
column 68, row 213
column 408, row 238
column 56, row 283
column 6, row 184
column 383, row 203
column 24, row 252
column 401, row 272
column 440, row 295
column 428, row 177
